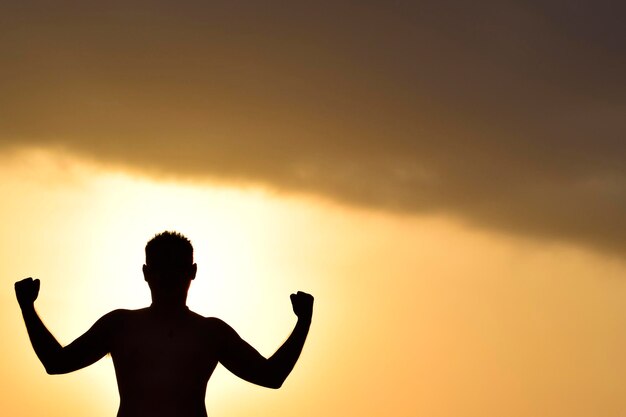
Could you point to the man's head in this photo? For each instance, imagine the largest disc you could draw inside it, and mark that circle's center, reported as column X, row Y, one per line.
column 169, row 262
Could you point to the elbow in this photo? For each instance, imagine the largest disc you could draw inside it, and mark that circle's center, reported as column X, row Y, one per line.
column 275, row 375
column 54, row 369
column 54, row 363
column 275, row 383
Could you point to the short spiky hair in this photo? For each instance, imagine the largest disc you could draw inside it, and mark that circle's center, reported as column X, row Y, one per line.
column 169, row 248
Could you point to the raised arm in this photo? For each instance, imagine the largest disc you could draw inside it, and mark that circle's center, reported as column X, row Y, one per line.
column 57, row 359
column 244, row 361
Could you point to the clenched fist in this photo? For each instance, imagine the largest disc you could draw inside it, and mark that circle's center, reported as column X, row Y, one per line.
column 302, row 305
column 26, row 291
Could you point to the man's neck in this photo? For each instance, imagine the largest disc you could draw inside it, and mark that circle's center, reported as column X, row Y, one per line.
column 169, row 307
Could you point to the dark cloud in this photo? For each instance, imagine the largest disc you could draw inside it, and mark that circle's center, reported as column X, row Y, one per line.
column 510, row 114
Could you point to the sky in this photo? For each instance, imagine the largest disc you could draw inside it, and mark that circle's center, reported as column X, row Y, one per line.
column 446, row 178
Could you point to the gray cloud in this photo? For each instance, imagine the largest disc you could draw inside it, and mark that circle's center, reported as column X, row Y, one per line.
column 509, row 114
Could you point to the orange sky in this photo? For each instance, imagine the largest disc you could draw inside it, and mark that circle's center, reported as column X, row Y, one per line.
column 414, row 315
column 447, row 179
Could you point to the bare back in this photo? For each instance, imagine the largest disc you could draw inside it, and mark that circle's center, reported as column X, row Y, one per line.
column 163, row 362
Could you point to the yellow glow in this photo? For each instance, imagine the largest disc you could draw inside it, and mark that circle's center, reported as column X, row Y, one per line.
column 414, row 316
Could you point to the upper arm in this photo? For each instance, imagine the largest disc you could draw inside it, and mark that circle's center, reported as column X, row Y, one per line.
column 88, row 348
column 242, row 359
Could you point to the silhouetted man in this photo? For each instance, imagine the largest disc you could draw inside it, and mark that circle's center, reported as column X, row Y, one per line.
column 164, row 354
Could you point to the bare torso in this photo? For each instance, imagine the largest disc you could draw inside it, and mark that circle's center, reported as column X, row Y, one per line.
column 163, row 362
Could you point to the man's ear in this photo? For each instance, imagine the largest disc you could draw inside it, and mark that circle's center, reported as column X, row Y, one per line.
column 194, row 270
column 146, row 271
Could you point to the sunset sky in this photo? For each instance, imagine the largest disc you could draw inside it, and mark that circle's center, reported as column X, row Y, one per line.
column 448, row 179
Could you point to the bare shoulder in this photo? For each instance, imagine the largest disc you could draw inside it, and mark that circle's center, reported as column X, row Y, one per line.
column 212, row 323
column 122, row 313
column 119, row 316
column 217, row 327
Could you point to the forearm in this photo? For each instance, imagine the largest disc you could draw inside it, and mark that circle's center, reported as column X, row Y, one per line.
column 45, row 345
column 282, row 362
